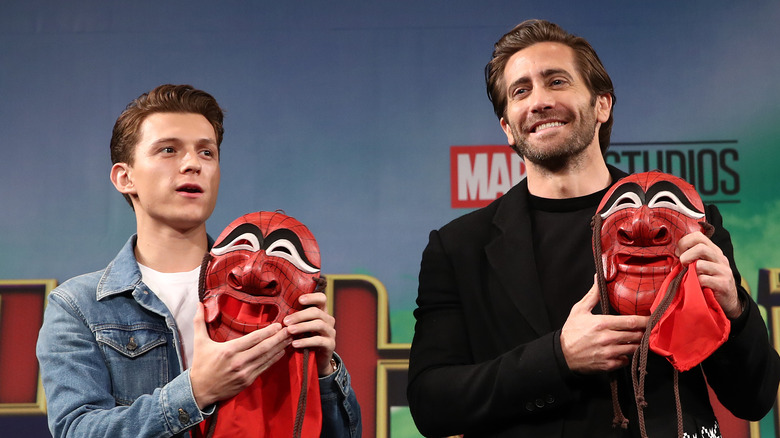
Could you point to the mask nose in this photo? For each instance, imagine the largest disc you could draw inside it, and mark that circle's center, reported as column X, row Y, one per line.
column 641, row 231
column 251, row 277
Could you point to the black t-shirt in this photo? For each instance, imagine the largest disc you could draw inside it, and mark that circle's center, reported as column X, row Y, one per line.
column 562, row 247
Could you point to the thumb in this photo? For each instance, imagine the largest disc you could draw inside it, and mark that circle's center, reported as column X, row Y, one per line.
column 199, row 323
column 589, row 301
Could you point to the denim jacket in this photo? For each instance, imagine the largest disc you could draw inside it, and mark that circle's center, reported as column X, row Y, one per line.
column 111, row 364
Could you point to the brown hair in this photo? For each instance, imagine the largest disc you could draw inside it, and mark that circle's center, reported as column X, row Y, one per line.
column 530, row 32
column 163, row 99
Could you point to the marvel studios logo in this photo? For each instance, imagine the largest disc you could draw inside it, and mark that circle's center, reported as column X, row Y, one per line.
column 481, row 174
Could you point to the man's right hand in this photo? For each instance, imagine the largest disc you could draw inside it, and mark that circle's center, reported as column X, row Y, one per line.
column 598, row 343
column 221, row 370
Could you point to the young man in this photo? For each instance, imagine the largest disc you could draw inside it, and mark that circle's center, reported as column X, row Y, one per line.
column 507, row 343
column 124, row 352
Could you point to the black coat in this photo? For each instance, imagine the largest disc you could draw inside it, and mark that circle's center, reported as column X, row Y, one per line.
column 486, row 361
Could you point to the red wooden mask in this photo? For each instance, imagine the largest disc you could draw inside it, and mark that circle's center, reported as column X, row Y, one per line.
column 259, row 266
column 643, row 217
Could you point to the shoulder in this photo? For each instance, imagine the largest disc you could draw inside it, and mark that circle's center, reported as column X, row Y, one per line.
column 80, row 286
column 479, row 224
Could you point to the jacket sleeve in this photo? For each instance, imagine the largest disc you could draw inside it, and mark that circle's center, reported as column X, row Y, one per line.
column 745, row 371
column 449, row 390
column 341, row 416
column 77, row 383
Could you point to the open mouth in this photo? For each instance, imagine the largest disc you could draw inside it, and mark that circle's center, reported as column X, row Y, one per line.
column 244, row 317
column 645, row 264
column 189, row 188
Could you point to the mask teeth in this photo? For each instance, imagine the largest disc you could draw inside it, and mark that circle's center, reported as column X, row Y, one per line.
column 609, row 268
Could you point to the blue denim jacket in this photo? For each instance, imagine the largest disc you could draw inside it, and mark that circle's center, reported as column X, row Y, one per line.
column 111, row 366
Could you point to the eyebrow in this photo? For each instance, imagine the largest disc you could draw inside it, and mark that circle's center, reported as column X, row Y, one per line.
column 178, row 140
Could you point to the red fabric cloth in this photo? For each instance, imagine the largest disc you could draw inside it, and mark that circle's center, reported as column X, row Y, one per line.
column 693, row 326
column 268, row 407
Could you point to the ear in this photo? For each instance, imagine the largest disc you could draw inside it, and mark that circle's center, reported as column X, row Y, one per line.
column 603, row 107
column 510, row 138
column 122, row 178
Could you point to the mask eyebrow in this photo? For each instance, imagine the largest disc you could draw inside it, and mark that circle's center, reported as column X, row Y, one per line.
column 290, row 236
column 620, row 191
column 667, row 186
column 238, row 231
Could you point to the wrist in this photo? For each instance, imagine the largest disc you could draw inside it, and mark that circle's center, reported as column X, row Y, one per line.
column 330, row 367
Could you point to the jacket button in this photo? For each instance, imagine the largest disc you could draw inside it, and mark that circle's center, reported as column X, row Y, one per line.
column 539, row 403
column 184, row 417
column 529, row 407
column 131, row 345
column 550, row 399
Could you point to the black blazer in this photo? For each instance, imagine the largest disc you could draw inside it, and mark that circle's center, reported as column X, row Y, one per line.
column 485, row 360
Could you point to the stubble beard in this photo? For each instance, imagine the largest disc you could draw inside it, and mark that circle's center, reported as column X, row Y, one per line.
column 564, row 154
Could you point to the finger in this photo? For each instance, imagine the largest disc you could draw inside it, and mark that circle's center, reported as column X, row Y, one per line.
column 626, row 322
column 308, row 314
column 316, row 299
column 689, row 241
column 316, row 326
column 254, row 338
column 267, row 349
column 695, row 246
column 589, row 301
column 319, row 342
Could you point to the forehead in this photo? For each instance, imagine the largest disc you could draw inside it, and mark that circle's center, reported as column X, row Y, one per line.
column 189, row 127
column 538, row 58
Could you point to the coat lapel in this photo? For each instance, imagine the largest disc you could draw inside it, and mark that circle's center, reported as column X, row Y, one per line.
column 511, row 258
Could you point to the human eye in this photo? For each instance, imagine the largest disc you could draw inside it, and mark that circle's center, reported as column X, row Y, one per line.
column 209, row 150
column 166, row 149
column 518, row 93
column 558, row 82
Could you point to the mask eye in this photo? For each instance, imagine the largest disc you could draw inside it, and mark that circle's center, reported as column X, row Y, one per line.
column 626, row 200
column 245, row 241
column 283, row 248
column 666, row 199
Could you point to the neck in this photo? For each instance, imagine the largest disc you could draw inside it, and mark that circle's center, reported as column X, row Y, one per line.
column 580, row 176
column 167, row 250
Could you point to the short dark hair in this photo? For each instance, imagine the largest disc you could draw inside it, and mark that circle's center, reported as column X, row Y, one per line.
column 531, row 32
column 166, row 98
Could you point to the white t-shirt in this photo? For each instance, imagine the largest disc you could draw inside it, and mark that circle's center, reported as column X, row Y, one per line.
column 179, row 292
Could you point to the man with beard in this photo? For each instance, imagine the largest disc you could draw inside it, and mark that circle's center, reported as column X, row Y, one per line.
column 507, row 341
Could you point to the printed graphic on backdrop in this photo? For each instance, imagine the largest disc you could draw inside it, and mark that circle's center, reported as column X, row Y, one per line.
column 21, row 315
column 481, row 174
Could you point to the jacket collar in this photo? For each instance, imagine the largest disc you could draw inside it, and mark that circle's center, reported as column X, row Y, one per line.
column 511, row 256
column 122, row 274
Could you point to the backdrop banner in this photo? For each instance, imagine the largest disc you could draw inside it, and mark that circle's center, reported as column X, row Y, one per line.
column 369, row 122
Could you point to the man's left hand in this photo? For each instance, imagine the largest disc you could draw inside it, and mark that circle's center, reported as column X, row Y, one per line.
column 314, row 328
column 712, row 269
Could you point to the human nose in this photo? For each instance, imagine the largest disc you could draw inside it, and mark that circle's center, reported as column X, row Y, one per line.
column 190, row 162
column 541, row 100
